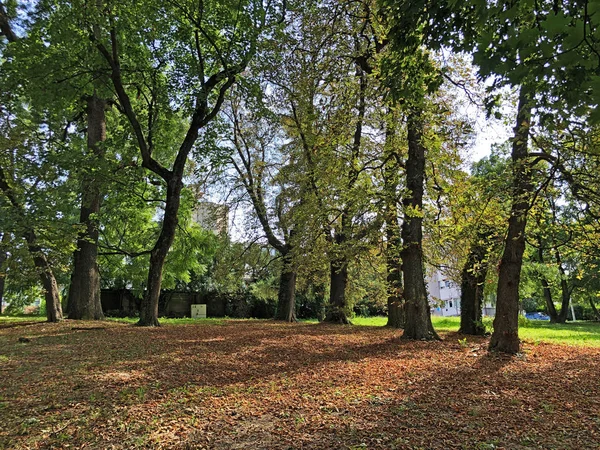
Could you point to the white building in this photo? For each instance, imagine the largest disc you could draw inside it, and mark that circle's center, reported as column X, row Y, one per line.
column 212, row 216
column 444, row 297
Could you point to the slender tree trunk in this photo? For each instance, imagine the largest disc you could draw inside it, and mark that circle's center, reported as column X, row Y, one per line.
column 417, row 310
column 3, row 258
column 546, row 290
column 53, row 306
column 564, row 288
column 286, row 299
column 594, row 308
column 84, row 292
column 394, row 272
column 505, row 337
column 472, row 286
column 338, row 280
column 158, row 255
column 52, row 295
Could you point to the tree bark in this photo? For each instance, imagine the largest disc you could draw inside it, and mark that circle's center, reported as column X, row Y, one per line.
column 392, row 229
column 158, row 255
column 338, row 280
column 472, row 286
column 417, row 310
column 564, row 288
column 286, row 298
column 84, row 292
column 505, row 337
column 394, row 273
column 3, row 258
column 546, row 290
column 51, row 294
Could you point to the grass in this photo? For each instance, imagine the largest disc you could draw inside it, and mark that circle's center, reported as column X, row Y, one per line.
column 23, row 318
column 168, row 321
column 534, row 331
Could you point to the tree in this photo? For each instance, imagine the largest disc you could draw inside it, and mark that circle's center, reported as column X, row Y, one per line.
column 505, row 337
column 57, row 88
column 255, row 138
column 20, row 213
column 208, row 45
column 3, row 257
column 547, row 49
column 37, row 252
column 84, row 292
column 392, row 160
column 329, row 99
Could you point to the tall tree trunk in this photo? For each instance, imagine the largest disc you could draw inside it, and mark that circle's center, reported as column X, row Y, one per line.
column 472, row 286
column 51, row 294
column 84, row 292
column 286, row 298
column 505, row 337
column 546, row 290
column 338, row 280
column 392, row 229
column 394, row 273
column 3, row 258
column 417, row 310
column 158, row 255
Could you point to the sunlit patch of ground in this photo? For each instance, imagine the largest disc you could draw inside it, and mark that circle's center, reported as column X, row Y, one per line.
column 261, row 384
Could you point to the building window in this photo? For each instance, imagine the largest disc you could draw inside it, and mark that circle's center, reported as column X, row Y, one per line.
column 450, row 303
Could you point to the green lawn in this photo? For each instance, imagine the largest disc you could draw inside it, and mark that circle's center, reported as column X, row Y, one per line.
column 578, row 333
column 23, row 318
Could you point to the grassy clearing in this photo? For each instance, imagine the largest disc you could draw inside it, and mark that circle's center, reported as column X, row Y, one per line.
column 268, row 385
column 24, row 318
column 535, row 331
column 578, row 333
column 167, row 321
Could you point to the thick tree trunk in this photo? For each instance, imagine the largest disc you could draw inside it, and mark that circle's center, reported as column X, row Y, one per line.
column 472, row 286
column 158, row 255
column 505, row 337
column 417, row 310
column 84, row 292
column 52, row 295
column 286, row 299
column 3, row 258
column 338, row 280
column 395, row 301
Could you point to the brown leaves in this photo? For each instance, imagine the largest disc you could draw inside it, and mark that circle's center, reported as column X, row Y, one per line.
column 251, row 384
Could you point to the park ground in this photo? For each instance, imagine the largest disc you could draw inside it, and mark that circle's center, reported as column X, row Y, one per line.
column 250, row 384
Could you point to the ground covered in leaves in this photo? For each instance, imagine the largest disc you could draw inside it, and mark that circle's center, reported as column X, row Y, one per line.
column 265, row 385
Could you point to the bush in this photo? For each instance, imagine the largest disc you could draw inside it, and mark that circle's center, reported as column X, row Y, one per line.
column 310, row 305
